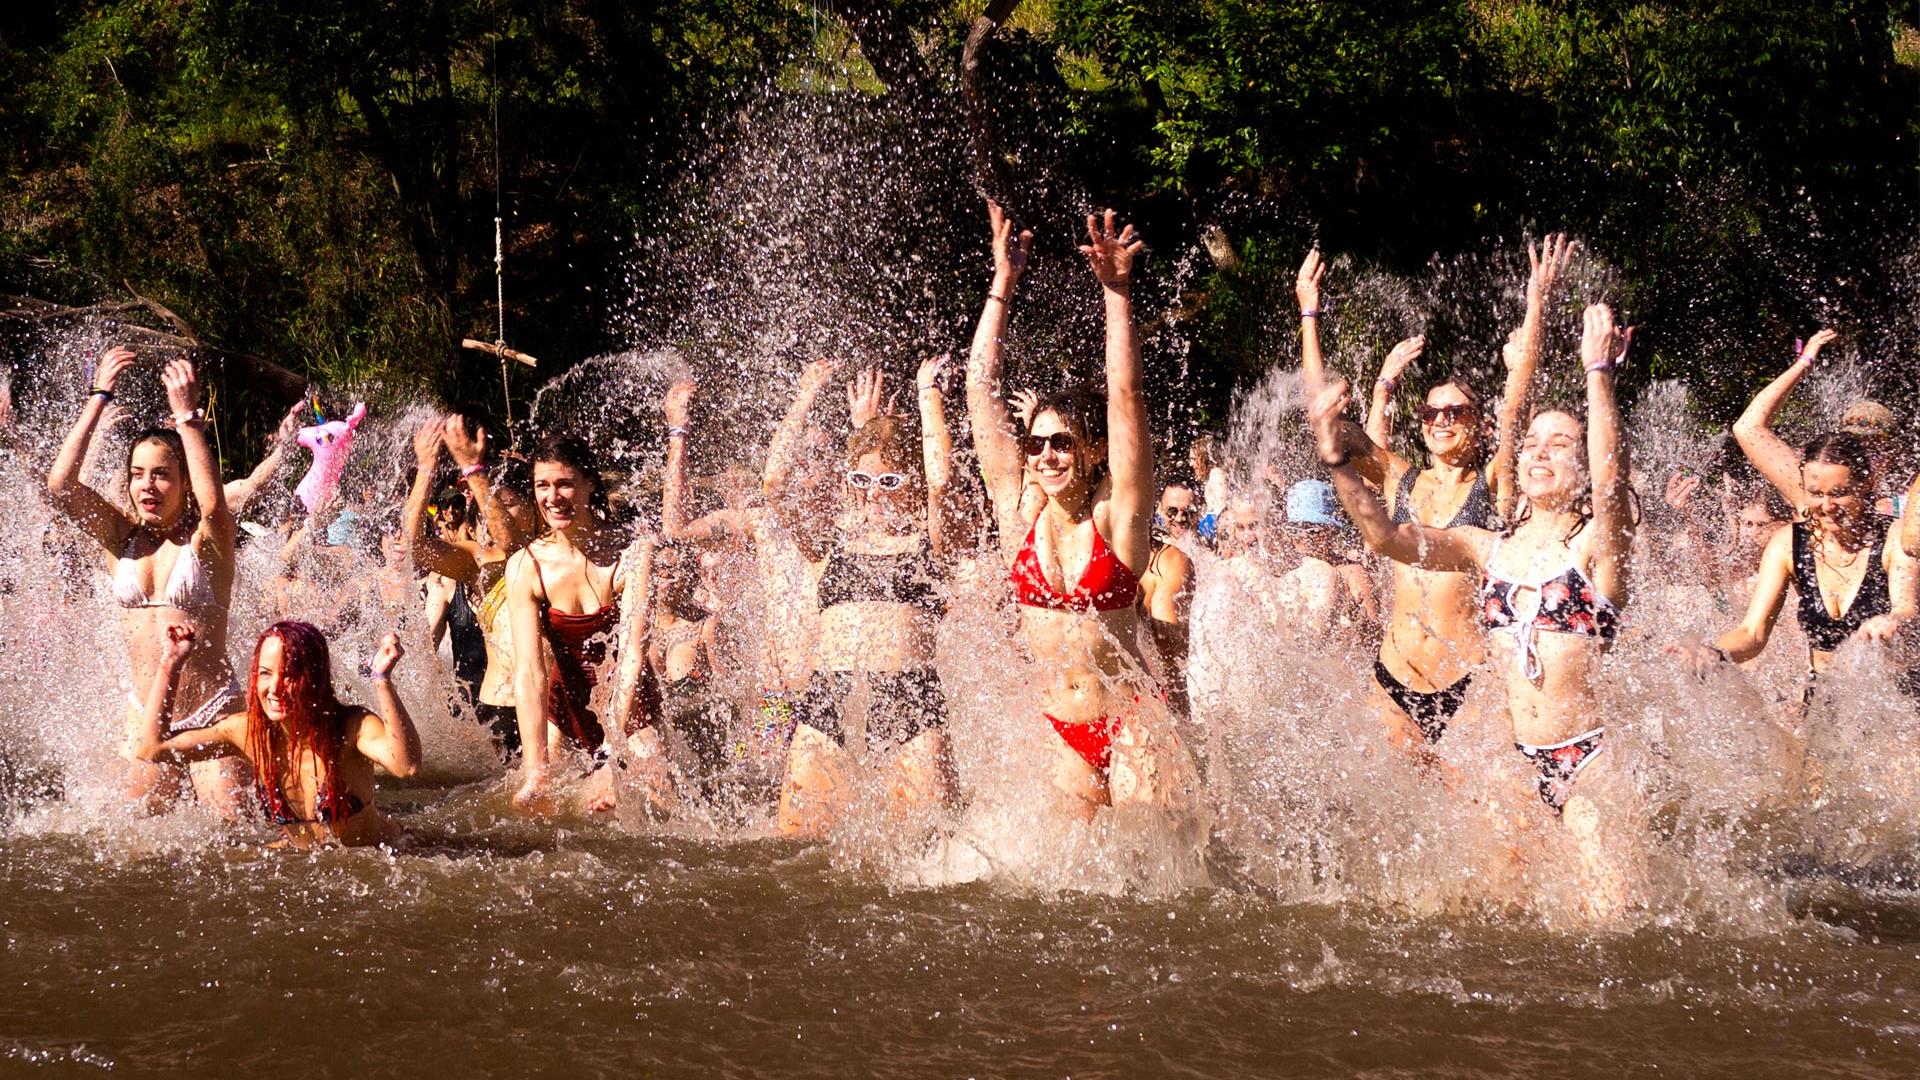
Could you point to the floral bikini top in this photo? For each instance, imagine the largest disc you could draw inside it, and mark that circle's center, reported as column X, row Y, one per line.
column 1564, row 603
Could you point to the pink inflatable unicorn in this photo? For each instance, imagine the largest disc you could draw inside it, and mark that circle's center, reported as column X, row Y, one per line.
column 329, row 442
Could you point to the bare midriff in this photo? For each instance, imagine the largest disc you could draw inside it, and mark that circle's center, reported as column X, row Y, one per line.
column 1561, row 703
column 876, row 635
column 1084, row 661
column 1433, row 637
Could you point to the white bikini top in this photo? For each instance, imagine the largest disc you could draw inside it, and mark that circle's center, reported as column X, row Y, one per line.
column 188, row 584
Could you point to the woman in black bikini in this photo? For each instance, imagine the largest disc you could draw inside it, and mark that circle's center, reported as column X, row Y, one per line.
column 883, row 570
column 313, row 756
column 1852, row 577
column 1430, row 644
column 1551, row 585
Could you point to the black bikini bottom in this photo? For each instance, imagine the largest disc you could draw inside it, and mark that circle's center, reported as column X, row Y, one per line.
column 1429, row 709
column 902, row 704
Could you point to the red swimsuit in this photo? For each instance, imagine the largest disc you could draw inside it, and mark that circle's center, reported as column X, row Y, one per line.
column 1107, row 584
column 580, row 646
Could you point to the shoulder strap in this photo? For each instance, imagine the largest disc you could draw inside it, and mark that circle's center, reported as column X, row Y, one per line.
column 1403, row 495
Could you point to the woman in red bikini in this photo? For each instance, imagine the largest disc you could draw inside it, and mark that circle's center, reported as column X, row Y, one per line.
column 563, row 595
column 1087, row 524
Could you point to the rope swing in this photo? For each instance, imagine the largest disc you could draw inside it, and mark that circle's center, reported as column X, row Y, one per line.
column 498, row 346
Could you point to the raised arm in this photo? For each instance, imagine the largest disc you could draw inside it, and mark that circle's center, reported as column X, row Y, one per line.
column 1306, row 291
column 1602, row 346
column 801, row 518
column 242, row 493
column 1522, row 357
column 1460, row 549
column 429, row 552
column 994, row 439
column 146, row 735
column 1379, row 413
column 721, row 524
column 387, row 737
column 203, row 472
column 1769, row 453
column 65, row 490
column 948, row 518
column 1129, row 445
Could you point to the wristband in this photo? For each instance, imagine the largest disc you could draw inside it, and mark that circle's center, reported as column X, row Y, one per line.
column 1389, row 385
column 676, row 433
column 468, row 470
column 100, row 393
column 996, row 296
column 1310, row 313
column 183, row 418
column 379, row 676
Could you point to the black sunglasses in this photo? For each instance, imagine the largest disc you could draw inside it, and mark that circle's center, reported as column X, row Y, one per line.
column 1062, row 442
column 1451, row 414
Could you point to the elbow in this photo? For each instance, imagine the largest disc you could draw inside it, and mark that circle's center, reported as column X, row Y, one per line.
column 406, row 768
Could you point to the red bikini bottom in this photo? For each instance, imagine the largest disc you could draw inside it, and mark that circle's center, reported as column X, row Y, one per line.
column 1091, row 739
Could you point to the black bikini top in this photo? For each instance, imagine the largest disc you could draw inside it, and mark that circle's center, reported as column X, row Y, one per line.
column 1477, row 511
column 1875, row 596
column 909, row 577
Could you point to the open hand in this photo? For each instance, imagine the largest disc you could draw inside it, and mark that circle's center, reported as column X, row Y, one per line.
column 1547, row 263
column 815, row 376
column 112, row 363
column 1881, row 629
column 1401, row 357
column 1111, row 253
column 1820, row 340
column 1324, row 414
column 1306, row 284
column 864, row 397
column 1023, row 403
column 1681, row 487
column 183, row 386
column 1698, row 658
column 466, row 450
column 428, row 439
column 1010, row 251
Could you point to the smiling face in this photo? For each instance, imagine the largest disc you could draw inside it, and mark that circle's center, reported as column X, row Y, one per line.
column 270, row 680
column 1455, row 431
column 1065, row 460
column 1552, row 462
column 561, row 492
column 1177, row 511
column 156, row 484
column 1836, row 496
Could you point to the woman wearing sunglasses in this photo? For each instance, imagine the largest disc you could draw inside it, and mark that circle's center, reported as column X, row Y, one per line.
column 1431, row 643
column 1550, row 588
column 883, row 551
column 1088, row 528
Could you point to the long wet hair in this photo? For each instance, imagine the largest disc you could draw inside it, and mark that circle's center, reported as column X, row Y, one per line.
column 170, row 439
column 315, row 722
column 572, row 451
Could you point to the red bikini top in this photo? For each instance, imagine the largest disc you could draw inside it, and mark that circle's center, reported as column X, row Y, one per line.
column 1105, row 585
